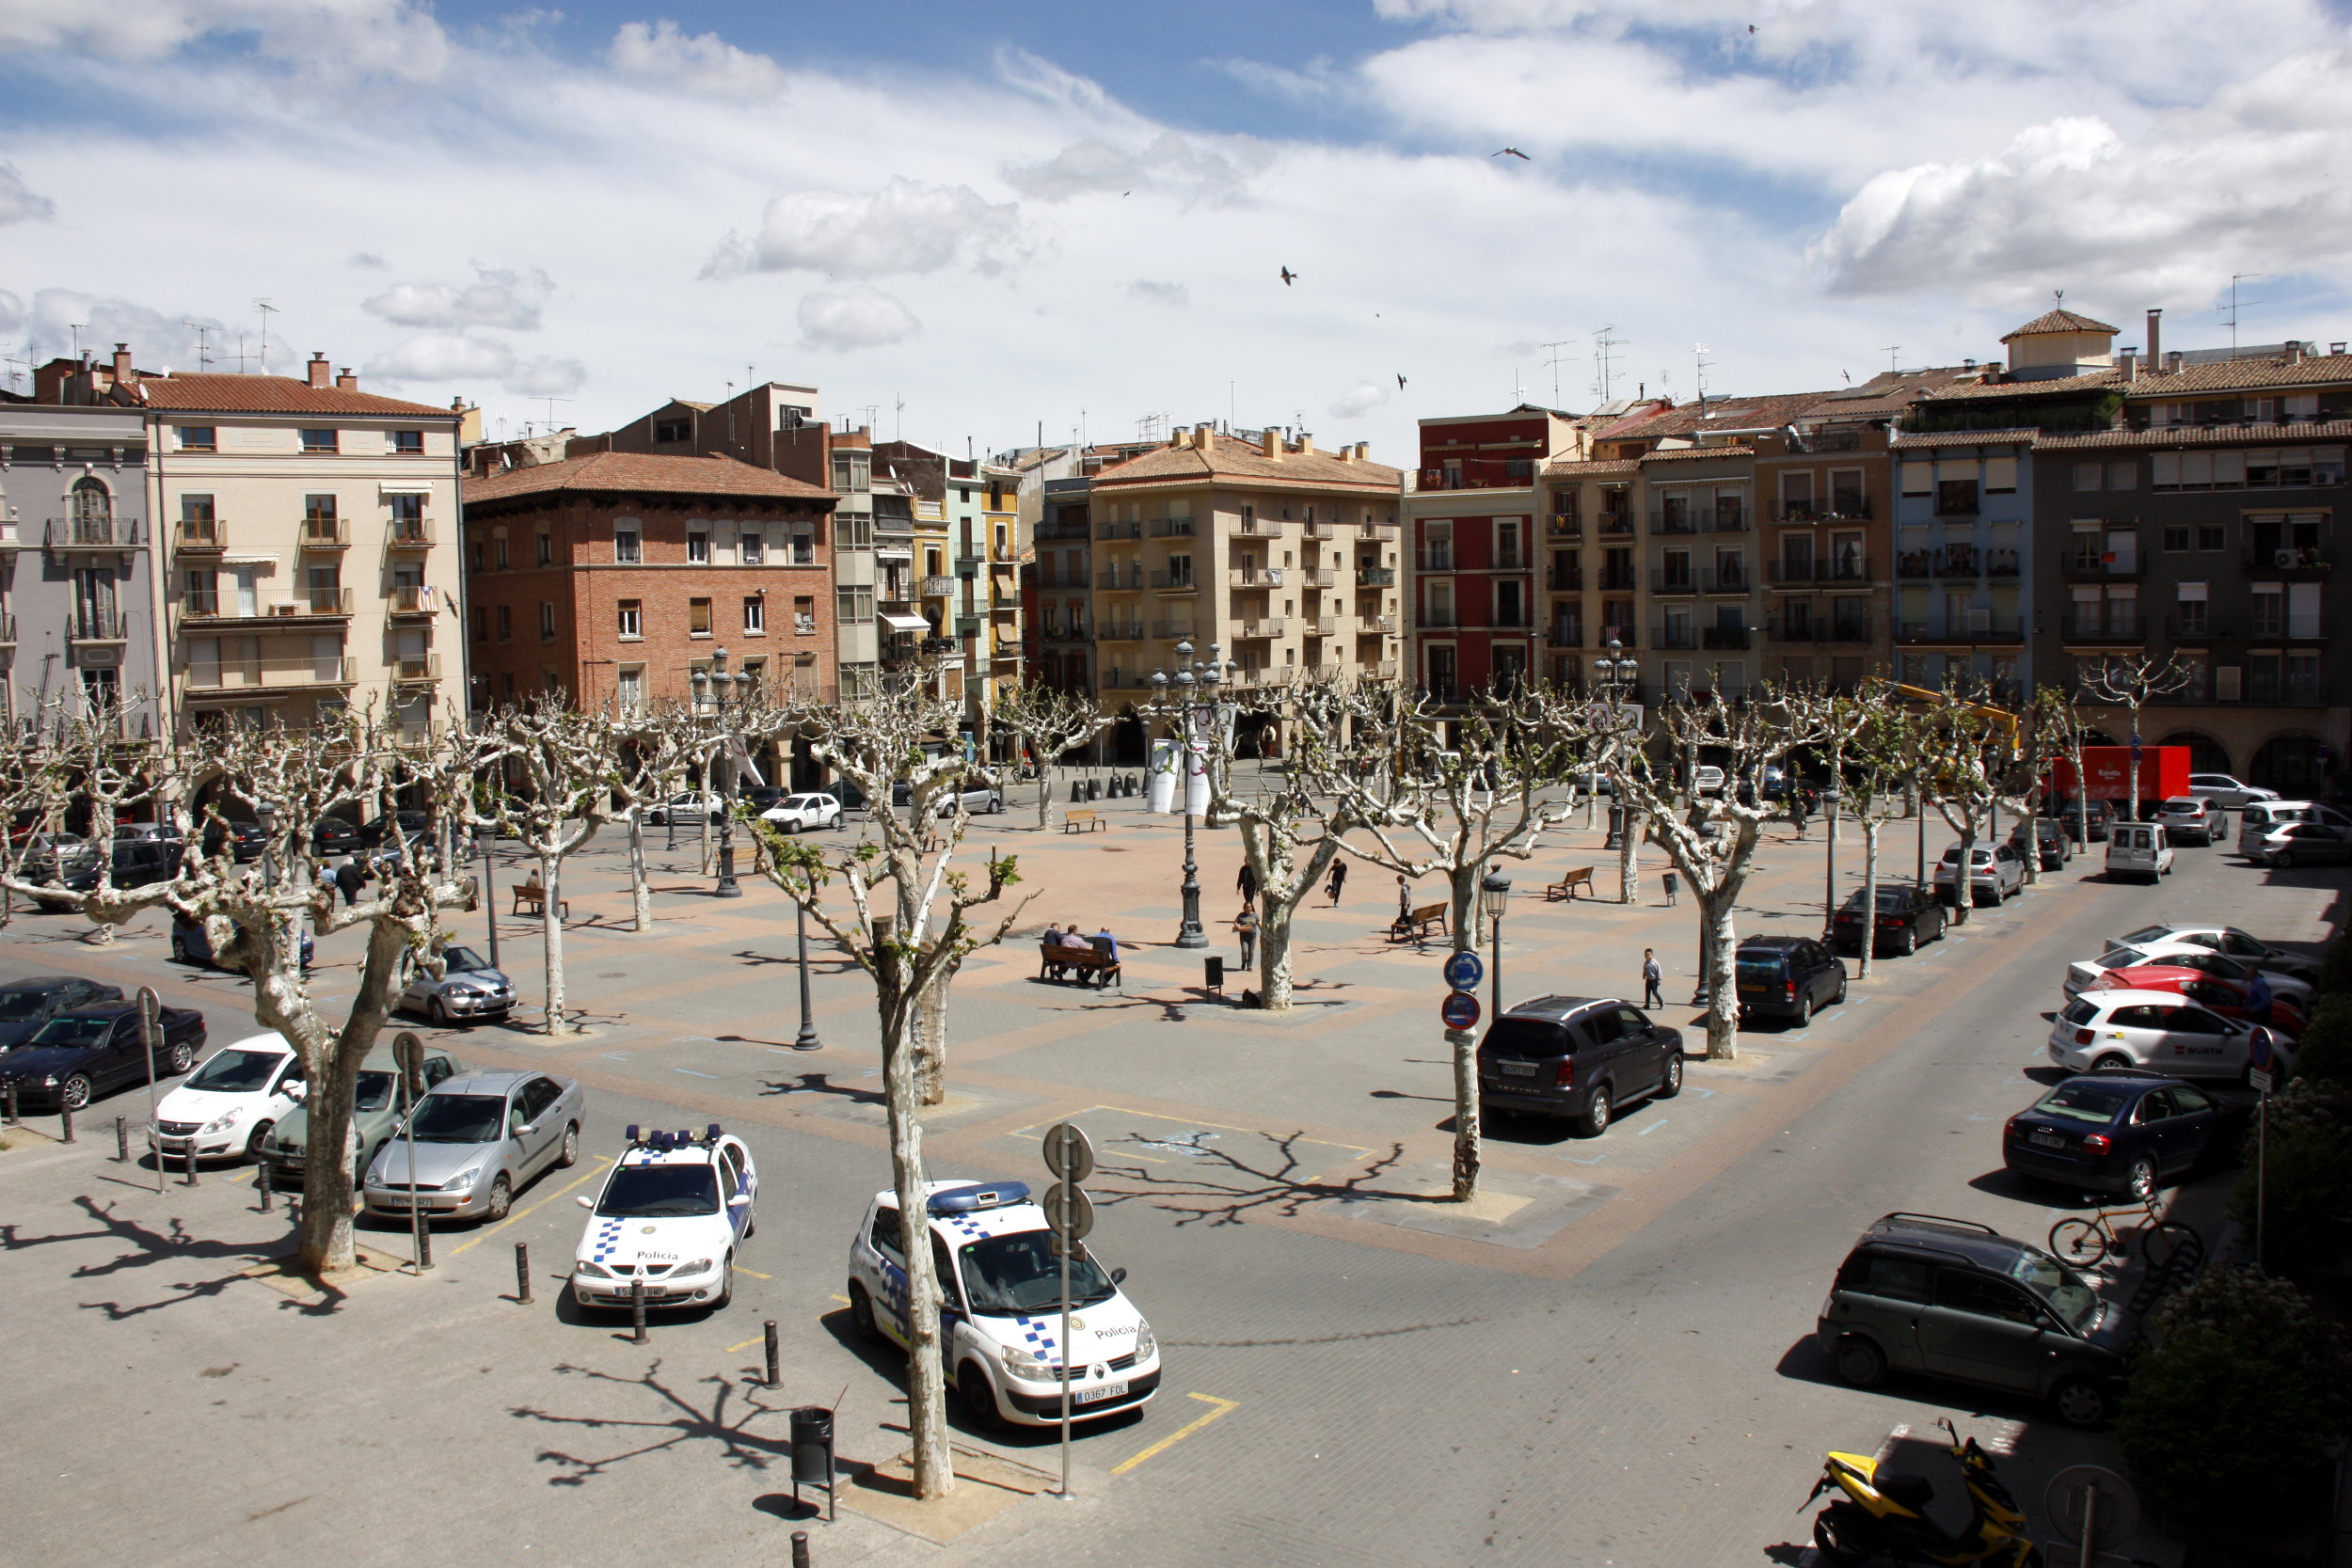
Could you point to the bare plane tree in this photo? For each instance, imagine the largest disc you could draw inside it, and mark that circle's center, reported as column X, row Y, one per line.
column 1045, row 724
column 2131, row 683
column 1967, row 746
column 1884, row 758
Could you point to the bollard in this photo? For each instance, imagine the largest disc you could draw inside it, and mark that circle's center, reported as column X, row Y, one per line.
column 11, row 1091
column 424, row 1241
column 522, row 1272
column 800, row 1548
column 637, row 1311
column 262, row 1185
column 191, row 1180
column 65, row 1124
column 122, row 1142
column 775, row 1356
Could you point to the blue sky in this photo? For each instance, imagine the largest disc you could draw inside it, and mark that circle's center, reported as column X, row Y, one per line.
column 978, row 218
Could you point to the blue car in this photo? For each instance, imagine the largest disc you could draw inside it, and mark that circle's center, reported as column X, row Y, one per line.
column 2118, row 1132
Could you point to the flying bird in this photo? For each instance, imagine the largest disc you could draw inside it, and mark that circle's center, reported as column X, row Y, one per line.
column 1400, row 382
column 1287, row 276
column 1513, row 152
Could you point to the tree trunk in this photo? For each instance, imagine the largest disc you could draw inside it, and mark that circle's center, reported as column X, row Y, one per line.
column 1274, row 955
column 325, row 1240
column 1282, row 886
column 927, row 1382
column 1635, row 822
column 1964, row 881
column 551, row 935
column 1718, row 943
column 931, row 1034
column 1464, row 881
column 1044, row 792
column 640, row 889
column 1869, row 893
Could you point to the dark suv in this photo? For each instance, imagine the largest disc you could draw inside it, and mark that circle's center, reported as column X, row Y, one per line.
column 2049, row 839
column 1786, row 977
column 1580, row 1057
column 1958, row 1300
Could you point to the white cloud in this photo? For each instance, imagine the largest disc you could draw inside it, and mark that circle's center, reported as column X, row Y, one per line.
column 904, row 226
column 442, row 356
column 336, row 39
column 495, row 298
column 1167, row 162
column 545, row 377
column 366, row 260
column 704, row 64
column 157, row 337
column 859, row 316
column 19, row 202
column 1174, row 296
column 1359, row 400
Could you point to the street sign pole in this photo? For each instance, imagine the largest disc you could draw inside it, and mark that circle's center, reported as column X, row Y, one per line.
column 408, row 1057
column 2260, row 1054
column 1070, row 1157
column 151, row 1018
column 1068, row 1212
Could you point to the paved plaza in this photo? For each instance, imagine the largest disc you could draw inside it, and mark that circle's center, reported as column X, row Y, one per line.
column 1604, row 1360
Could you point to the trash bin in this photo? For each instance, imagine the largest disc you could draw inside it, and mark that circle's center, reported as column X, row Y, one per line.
column 1077, row 791
column 1672, row 884
column 1094, row 789
column 812, row 1451
column 1216, row 965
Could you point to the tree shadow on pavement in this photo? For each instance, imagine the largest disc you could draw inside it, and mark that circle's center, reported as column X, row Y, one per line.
column 148, row 1246
column 675, row 1420
column 819, row 1083
column 1206, row 1194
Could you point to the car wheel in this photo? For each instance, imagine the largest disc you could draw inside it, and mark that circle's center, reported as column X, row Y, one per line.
column 726, row 1283
column 1804, row 1010
column 2139, row 1182
column 180, row 1058
column 570, row 1156
column 1859, row 1363
column 501, row 1199
column 257, row 1139
column 1839, row 1000
column 436, row 1014
column 1670, row 1080
column 74, row 1092
column 2080, row 1403
column 2283, row 860
column 978, row 1399
column 1910, row 942
column 862, row 1316
column 1595, row 1121
column 2114, row 1061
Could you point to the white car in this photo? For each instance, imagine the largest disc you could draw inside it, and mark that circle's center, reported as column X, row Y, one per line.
column 672, row 1214
column 692, row 806
column 2182, row 954
column 1707, row 780
column 2228, row 940
column 797, row 813
column 2139, row 849
column 1995, row 872
column 228, row 1108
column 1001, row 1288
column 2219, row 789
column 2186, row 820
column 2156, row 1030
column 2258, row 821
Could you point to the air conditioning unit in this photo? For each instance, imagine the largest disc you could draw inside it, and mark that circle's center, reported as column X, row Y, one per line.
column 2286, row 558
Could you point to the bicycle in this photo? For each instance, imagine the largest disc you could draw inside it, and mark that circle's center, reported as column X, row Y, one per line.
column 2088, row 1243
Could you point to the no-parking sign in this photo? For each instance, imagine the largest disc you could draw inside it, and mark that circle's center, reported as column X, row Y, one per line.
column 1459, row 1010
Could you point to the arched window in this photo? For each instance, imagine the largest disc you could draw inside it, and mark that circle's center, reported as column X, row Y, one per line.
column 2205, row 754
column 93, row 511
column 2293, row 764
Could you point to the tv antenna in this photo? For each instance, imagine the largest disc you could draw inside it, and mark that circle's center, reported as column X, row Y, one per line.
column 78, row 339
column 242, row 356
column 897, row 416
column 14, row 374
column 551, row 403
column 2235, row 304
column 267, row 310
column 1154, row 425
column 1893, row 349
column 1605, row 345
column 203, row 344
column 1700, row 360
column 1552, row 358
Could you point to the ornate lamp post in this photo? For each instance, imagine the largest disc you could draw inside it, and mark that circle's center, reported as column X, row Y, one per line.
column 718, row 683
column 1494, row 896
column 1190, row 679
column 1616, row 675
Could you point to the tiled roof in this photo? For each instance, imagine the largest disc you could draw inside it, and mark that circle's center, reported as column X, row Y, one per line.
column 1753, row 413
column 272, row 394
column 2197, row 435
column 2057, row 321
column 2221, row 375
column 1910, row 440
column 1590, row 467
column 2061, row 386
column 1673, row 454
column 639, row 474
column 1888, row 392
column 1230, row 458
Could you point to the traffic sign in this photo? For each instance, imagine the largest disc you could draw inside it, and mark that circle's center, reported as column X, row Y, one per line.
column 2087, row 1500
column 1080, row 1218
column 1463, row 971
column 2261, row 1047
column 1459, row 1010
column 2259, row 1080
column 1081, row 1152
column 408, row 1055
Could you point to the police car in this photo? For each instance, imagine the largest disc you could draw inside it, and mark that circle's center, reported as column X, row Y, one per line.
column 1000, row 1317
column 671, row 1214
column 2106, row 1031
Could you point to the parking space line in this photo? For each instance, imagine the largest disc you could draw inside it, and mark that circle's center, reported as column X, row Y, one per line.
column 753, row 1273
column 748, row 1343
column 691, row 1073
column 1224, row 1407
column 1651, row 1128
column 525, row 1214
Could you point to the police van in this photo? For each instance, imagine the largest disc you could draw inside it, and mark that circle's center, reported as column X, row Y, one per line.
column 671, row 1214
column 1000, row 1313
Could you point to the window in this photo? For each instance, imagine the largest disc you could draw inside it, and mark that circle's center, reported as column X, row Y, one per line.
column 2090, row 476
column 1955, row 497
column 852, row 470
column 698, row 617
column 1180, row 571
column 755, row 615
column 1918, row 479
column 480, row 625
column 407, row 517
column 853, row 605
column 2269, row 609
column 497, row 549
column 319, row 512
column 409, row 443
column 755, row 547
column 804, row 547
column 506, row 623
column 698, row 546
column 198, row 437
column 1845, row 492
column 546, row 621
column 668, row 431
column 546, row 548
column 630, row 620
column 477, row 555
column 2177, row 537
column 198, row 526
column 2122, row 476
column 629, row 546
column 804, row 616
column 628, row 687
column 200, row 594
column 320, row 440
column 2000, row 476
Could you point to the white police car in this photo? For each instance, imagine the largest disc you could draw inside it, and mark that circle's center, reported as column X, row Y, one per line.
column 671, row 1213
column 1000, row 1317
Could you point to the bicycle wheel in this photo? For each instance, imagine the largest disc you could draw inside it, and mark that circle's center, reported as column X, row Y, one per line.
column 2161, row 1241
column 2079, row 1242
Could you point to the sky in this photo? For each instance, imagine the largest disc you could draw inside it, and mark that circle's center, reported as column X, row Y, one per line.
column 977, row 221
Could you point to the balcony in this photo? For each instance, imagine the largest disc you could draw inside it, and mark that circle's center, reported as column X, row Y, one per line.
column 1376, row 576
column 410, row 533
column 1959, row 560
column 1318, row 577
column 1507, row 561
column 1674, row 637
column 1323, row 531
column 1437, row 620
column 1671, row 579
column 7, row 629
column 1562, row 527
column 2094, row 628
column 1566, row 634
column 98, row 624
column 1980, row 626
column 1615, row 525
column 1131, row 632
column 1434, row 560
column 325, row 533
column 1616, row 579
column 1845, row 568
column 1057, row 631
column 1319, row 626
column 1254, row 577
column 1063, row 528
column 1480, row 473
column 1252, row 526
column 1837, row 509
column 69, row 535
column 2094, row 561
column 407, row 598
column 1172, row 631
column 938, row 586
column 1376, row 531
column 1061, row 576
column 200, row 535
column 1166, row 581
column 1724, row 639
column 2204, row 629
column 235, row 677
column 1564, row 580
column 1254, row 630
column 1836, row 629
column 1123, row 530
column 2305, row 562
column 1673, row 522
column 1171, row 528
column 1728, row 520
column 1382, row 670
column 1120, row 580
column 1622, row 637
column 420, row 670
column 1375, row 626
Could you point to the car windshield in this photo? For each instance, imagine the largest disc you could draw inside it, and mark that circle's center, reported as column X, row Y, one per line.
column 2080, row 1011
column 659, row 1191
column 2122, row 958
column 2144, row 935
column 1889, row 898
column 238, row 1071
column 1013, row 1273
column 2059, row 1285
column 1528, row 1036
column 2098, row 1102
column 463, row 960
column 23, row 1004
column 460, row 1118
column 73, row 1030
column 374, row 1091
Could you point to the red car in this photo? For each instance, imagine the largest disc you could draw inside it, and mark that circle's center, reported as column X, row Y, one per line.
column 2226, row 997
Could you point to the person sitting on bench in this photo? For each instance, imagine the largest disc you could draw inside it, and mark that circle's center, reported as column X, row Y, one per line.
column 1050, row 940
column 1106, row 943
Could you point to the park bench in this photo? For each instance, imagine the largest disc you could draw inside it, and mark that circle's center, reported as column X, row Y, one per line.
column 533, row 901
column 1567, row 884
column 1056, row 961
column 1413, row 925
column 1081, row 821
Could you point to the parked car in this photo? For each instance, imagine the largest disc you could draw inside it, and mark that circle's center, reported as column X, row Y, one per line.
column 398, row 827
column 2256, row 822
column 192, row 942
column 2228, row 940
column 2048, row 837
column 1706, row 780
column 2102, row 1031
column 671, row 1213
column 1906, row 918
column 1958, row 1300
column 139, row 862
column 1578, row 1057
column 2219, row 789
column 59, row 860
column 2186, row 820
column 695, row 806
column 26, row 1005
column 75, row 1056
column 375, row 1109
column 2117, row 1131
column 761, row 798
column 2084, row 973
column 479, row 1139
column 2307, row 844
column 797, row 813
column 1995, row 872
column 2093, row 817
column 245, row 841
column 2139, row 849
column 1787, row 977
column 149, row 832
column 2251, row 1001
column 336, row 835
column 229, row 1107
column 975, row 796
column 465, row 989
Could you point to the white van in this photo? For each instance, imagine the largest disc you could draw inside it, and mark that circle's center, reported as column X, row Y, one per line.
column 2139, row 849
column 2258, row 819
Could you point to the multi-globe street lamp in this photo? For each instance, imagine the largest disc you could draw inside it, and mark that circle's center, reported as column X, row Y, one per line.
column 713, row 684
column 1196, row 719
column 1617, row 675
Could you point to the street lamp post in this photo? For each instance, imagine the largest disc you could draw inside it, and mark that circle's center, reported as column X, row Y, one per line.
column 1494, row 896
column 718, row 682
column 1828, row 875
column 1191, row 677
column 806, row 1040
column 1615, row 675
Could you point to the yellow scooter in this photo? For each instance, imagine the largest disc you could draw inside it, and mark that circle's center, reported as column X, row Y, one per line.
column 1886, row 1515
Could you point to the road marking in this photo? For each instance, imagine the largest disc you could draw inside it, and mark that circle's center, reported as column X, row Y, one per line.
column 843, row 1300
column 1224, row 1407
column 522, row 1214
column 1651, row 1128
column 1705, row 1094
column 748, row 1343
column 616, row 1055
column 753, row 1273
column 691, row 1073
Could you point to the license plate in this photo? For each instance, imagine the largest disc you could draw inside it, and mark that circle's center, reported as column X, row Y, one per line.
column 1519, row 1070
column 1755, row 988
column 393, row 1202
column 1091, row 1396
column 2045, row 1140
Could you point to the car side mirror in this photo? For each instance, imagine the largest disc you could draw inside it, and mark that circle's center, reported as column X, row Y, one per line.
column 1118, row 1276
column 297, row 1088
column 526, row 1130
column 586, row 1202
column 741, row 1200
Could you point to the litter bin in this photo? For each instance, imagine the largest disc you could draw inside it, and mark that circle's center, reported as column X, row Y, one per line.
column 1673, row 885
column 1214, row 962
column 812, row 1451
column 1094, row 789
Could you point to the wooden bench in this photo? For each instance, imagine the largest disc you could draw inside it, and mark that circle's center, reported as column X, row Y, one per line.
column 1567, row 884
column 1056, row 959
column 1083, row 820
column 1416, row 924
column 533, row 901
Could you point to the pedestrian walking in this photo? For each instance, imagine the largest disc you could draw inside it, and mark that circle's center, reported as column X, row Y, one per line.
column 351, row 880
column 1403, row 896
column 1797, row 807
column 1246, row 925
column 1339, row 880
column 1651, row 978
column 1247, row 883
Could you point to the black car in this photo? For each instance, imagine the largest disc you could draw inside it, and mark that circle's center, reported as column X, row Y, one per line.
column 1907, row 918
column 26, row 1005
column 140, row 860
column 79, row 1054
column 191, row 943
column 2118, row 1132
column 2097, row 817
column 2049, row 837
column 761, row 798
column 245, row 841
column 399, row 827
column 1787, row 977
column 1580, row 1057
column 334, row 836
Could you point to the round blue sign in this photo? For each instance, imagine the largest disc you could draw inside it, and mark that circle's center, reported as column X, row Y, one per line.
column 1459, row 1010
column 2260, row 1048
column 1463, row 971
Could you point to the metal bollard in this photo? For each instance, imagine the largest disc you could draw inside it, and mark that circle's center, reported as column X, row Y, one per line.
column 262, row 1185
column 65, row 1124
column 424, row 1241
column 637, row 1311
column 191, row 1180
column 122, row 1142
column 11, row 1093
column 775, row 1356
column 800, row 1548
column 522, row 1272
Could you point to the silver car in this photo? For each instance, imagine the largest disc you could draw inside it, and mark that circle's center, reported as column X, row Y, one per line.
column 375, row 1109
column 480, row 1138
column 467, row 989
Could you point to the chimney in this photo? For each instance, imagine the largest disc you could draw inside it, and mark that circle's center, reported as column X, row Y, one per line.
column 1204, row 435
column 1307, row 445
column 345, row 381
column 1363, row 452
column 2173, row 362
column 124, row 374
column 2295, row 354
column 2155, row 336
column 1272, row 445
column 1345, row 454
column 2130, row 364
column 320, row 371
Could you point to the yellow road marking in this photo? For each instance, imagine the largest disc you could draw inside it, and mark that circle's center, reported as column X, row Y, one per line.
column 524, row 1214
column 753, row 1273
column 1224, row 1407
column 745, row 1345
column 843, row 1300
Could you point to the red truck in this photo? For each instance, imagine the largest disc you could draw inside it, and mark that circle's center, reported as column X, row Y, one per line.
column 2163, row 771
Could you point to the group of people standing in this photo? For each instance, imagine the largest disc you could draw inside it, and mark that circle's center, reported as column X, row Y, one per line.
column 1245, row 922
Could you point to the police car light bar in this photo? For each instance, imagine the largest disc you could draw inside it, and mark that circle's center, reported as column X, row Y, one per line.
column 633, row 1136
column 965, row 1200
column 711, row 1134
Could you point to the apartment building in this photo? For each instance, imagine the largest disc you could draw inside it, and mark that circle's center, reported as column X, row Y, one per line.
column 77, row 566
column 998, row 553
column 1964, row 539
column 1052, row 503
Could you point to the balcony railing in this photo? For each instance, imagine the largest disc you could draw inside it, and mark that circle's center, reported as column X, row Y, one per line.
column 1616, row 579
column 1732, row 520
column 1254, row 577
column 2087, row 627
column 1060, row 576
column 1699, row 579
column 1131, row 632
column 1854, row 628
column 1959, row 560
column 1062, row 528
column 1120, row 580
column 1481, row 473
column 247, row 674
column 325, row 533
column 1172, row 631
column 1165, row 581
column 410, row 533
column 1507, row 561
column 1724, row 637
column 1271, row 627
column 1171, row 528
column 200, row 535
column 1669, row 579
column 1844, row 568
column 417, row 669
column 1680, row 522
column 1627, row 637
column 1323, row 531
column 1566, row 634
column 1564, row 527
column 1376, row 531
column 7, row 629
column 1674, row 637
column 1615, row 525
column 1564, row 580
column 1059, row 631
column 1433, row 560
column 93, row 533
column 1837, row 509
column 2293, row 561
column 1320, row 625
column 1125, row 528
column 938, row 587
column 97, row 624
column 408, row 598
column 2095, row 562
column 1255, row 527
column 1979, row 627
column 1376, row 576
column 1375, row 626
column 1437, row 620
